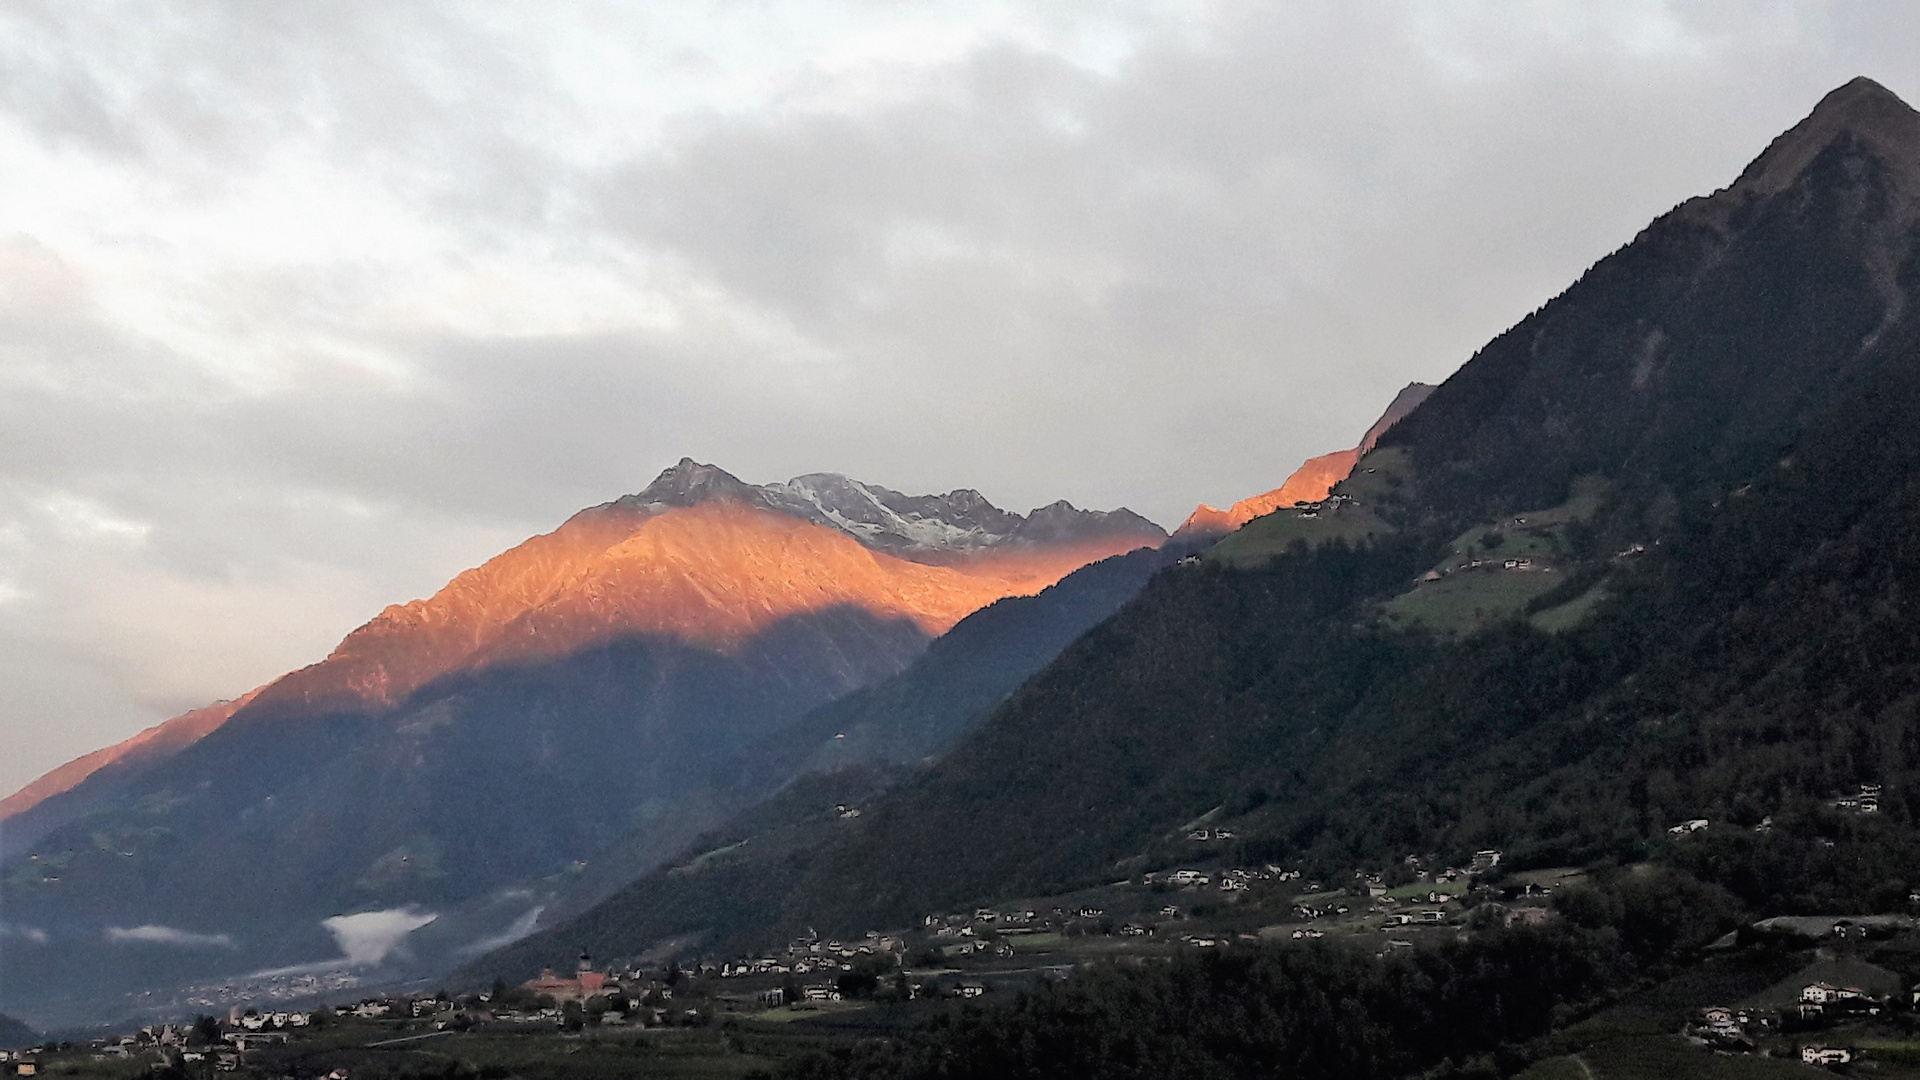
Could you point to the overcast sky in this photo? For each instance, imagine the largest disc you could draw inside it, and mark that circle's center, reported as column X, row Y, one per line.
column 306, row 307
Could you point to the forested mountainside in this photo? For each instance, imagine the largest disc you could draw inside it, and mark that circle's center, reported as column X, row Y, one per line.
column 1648, row 558
column 1704, row 451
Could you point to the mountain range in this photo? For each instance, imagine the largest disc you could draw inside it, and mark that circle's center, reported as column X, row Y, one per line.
column 465, row 758
column 1646, row 558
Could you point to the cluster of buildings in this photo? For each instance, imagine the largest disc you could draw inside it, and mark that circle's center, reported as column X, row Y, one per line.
column 810, row 954
column 1867, row 801
column 1820, row 1004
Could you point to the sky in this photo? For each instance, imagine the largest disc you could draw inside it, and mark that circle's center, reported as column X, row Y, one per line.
column 306, row 308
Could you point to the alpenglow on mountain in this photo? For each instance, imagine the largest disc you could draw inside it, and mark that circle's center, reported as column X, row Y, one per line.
column 455, row 752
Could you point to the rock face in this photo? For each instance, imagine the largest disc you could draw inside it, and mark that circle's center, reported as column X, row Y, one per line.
column 956, row 527
column 1309, row 483
column 533, row 711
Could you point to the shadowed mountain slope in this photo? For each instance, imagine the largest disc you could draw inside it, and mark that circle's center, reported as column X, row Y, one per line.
column 847, row 752
column 50, row 802
column 1739, row 381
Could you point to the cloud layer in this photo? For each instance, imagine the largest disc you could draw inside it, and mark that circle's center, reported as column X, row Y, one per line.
column 305, row 309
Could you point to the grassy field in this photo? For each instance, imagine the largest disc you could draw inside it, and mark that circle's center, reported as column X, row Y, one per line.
column 1568, row 615
column 1266, row 537
column 1467, row 600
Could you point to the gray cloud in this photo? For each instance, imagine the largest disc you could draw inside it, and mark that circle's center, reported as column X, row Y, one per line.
column 304, row 309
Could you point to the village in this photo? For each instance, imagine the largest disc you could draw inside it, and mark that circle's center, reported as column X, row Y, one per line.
column 1827, row 1019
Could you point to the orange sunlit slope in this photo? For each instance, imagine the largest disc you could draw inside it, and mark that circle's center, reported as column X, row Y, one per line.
column 711, row 575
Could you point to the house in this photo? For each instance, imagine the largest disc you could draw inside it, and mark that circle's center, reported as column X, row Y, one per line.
column 1825, row 1055
column 1432, row 917
column 1866, row 802
column 821, row 992
column 775, row 997
column 1821, row 993
column 1484, row 861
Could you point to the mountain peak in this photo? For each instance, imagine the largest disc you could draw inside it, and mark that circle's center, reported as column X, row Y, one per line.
column 919, row 527
column 1863, row 111
column 689, row 483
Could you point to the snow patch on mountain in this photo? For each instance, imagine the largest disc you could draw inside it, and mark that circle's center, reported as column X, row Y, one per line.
column 962, row 521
